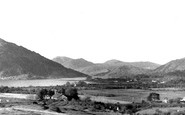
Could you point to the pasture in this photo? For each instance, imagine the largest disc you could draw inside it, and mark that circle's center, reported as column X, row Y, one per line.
column 133, row 95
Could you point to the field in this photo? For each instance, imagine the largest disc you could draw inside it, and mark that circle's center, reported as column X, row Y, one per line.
column 133, row 95
column 164, row 110
column 40, row 82
column 18, row 104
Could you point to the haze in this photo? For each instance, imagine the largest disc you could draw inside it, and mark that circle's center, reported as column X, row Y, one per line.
column 97, row 30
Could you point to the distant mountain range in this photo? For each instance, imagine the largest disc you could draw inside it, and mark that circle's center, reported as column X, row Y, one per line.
column 117, row 68
column 111, row 68
column 73, row 63
column 17, row 62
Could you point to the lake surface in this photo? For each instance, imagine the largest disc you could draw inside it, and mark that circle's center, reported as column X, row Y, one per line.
column 40, row 82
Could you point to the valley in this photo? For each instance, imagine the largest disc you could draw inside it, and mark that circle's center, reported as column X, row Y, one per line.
column 33, row 84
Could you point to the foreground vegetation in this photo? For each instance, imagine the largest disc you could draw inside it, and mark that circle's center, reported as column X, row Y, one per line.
column 79, row 96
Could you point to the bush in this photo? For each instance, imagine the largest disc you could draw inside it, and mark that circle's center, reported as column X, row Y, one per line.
column 55, row 108
column 81, row 84
column 71, row 93
column 41, row 94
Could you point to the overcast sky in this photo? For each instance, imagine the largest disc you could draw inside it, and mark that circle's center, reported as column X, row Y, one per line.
column 97, row 30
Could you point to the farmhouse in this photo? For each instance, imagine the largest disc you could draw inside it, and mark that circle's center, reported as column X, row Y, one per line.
column 183, row 99
column 165, row 100
column 59, row 96
column 153, row 97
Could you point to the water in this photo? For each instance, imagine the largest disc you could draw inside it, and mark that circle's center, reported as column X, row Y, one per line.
column 41, row 82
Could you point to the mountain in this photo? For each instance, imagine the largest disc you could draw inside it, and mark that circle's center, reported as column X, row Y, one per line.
column 125, row 71
column 144, row 65
column 115, row 62
column 17, row 62
column 172, row 67
column 110, row 71
column 73, row 63
column 62, row 60
column 110, row 68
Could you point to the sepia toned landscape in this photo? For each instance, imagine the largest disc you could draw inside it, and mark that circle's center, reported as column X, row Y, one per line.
column 80, row 87
column 92, row 57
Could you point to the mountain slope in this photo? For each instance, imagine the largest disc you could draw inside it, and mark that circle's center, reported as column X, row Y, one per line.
column 62, row 60
column 73, row 63
column 112, row 71
column 16, row 61
column 116, row 68
column 126, row 71
column 144, row 65
column 111, row 68
column 172, row 66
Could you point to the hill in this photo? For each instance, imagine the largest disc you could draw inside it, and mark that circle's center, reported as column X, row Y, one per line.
column 144, row 65
column 110, row 68
column 17, row 62
column 113, row 71
column 73, row 63
column 172, row 68
column 62, row 60
column 174, row 65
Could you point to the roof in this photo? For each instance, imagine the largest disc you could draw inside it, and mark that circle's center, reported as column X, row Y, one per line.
column 59, row 96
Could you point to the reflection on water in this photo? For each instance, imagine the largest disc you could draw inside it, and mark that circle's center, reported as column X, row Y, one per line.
column 45, row 82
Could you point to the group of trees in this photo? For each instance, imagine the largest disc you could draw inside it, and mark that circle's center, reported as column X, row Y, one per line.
column 44, row 92
column 70, row 93
column 5, row 89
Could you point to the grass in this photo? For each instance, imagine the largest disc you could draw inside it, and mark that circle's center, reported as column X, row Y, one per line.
column 135, row 95
column 163, row 110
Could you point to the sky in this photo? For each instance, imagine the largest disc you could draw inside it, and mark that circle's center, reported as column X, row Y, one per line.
column 97, row 30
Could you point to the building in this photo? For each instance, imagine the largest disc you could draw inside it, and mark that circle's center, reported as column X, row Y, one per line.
column 59, row 97
column 153, row 97
column 165, row 100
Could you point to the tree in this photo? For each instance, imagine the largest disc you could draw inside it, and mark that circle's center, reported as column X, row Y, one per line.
column 42, row 93
column 62, row 91
column 81, row 84
column 71, row 93
column 50, row 93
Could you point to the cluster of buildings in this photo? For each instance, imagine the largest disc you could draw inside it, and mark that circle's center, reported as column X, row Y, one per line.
column 155, row 97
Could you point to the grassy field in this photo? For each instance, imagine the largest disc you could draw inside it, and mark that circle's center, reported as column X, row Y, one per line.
column 133, row 95
column 164, row 110
column 40, row 82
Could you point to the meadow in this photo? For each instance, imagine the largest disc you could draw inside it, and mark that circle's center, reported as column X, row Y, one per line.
column 134, row 95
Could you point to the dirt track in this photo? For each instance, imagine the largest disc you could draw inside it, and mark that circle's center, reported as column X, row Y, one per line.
column 22, row 110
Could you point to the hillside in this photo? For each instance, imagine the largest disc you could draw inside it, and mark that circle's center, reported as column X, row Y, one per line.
column 144, row 65
column 73, row 63
column 113, row 71
column 174, row 67
column 116, row 68
column 62, row 60
column 17, row 62
column 110, row 68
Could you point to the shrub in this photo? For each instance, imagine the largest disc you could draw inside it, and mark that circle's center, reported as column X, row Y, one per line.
column 41, row 94
column 50, row 93
column 71, row 93
column 55, row 108
column 81, row 84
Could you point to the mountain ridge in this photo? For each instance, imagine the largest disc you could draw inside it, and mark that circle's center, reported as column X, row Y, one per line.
column 110, row 67
column 18, row 61
column 172, row 66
